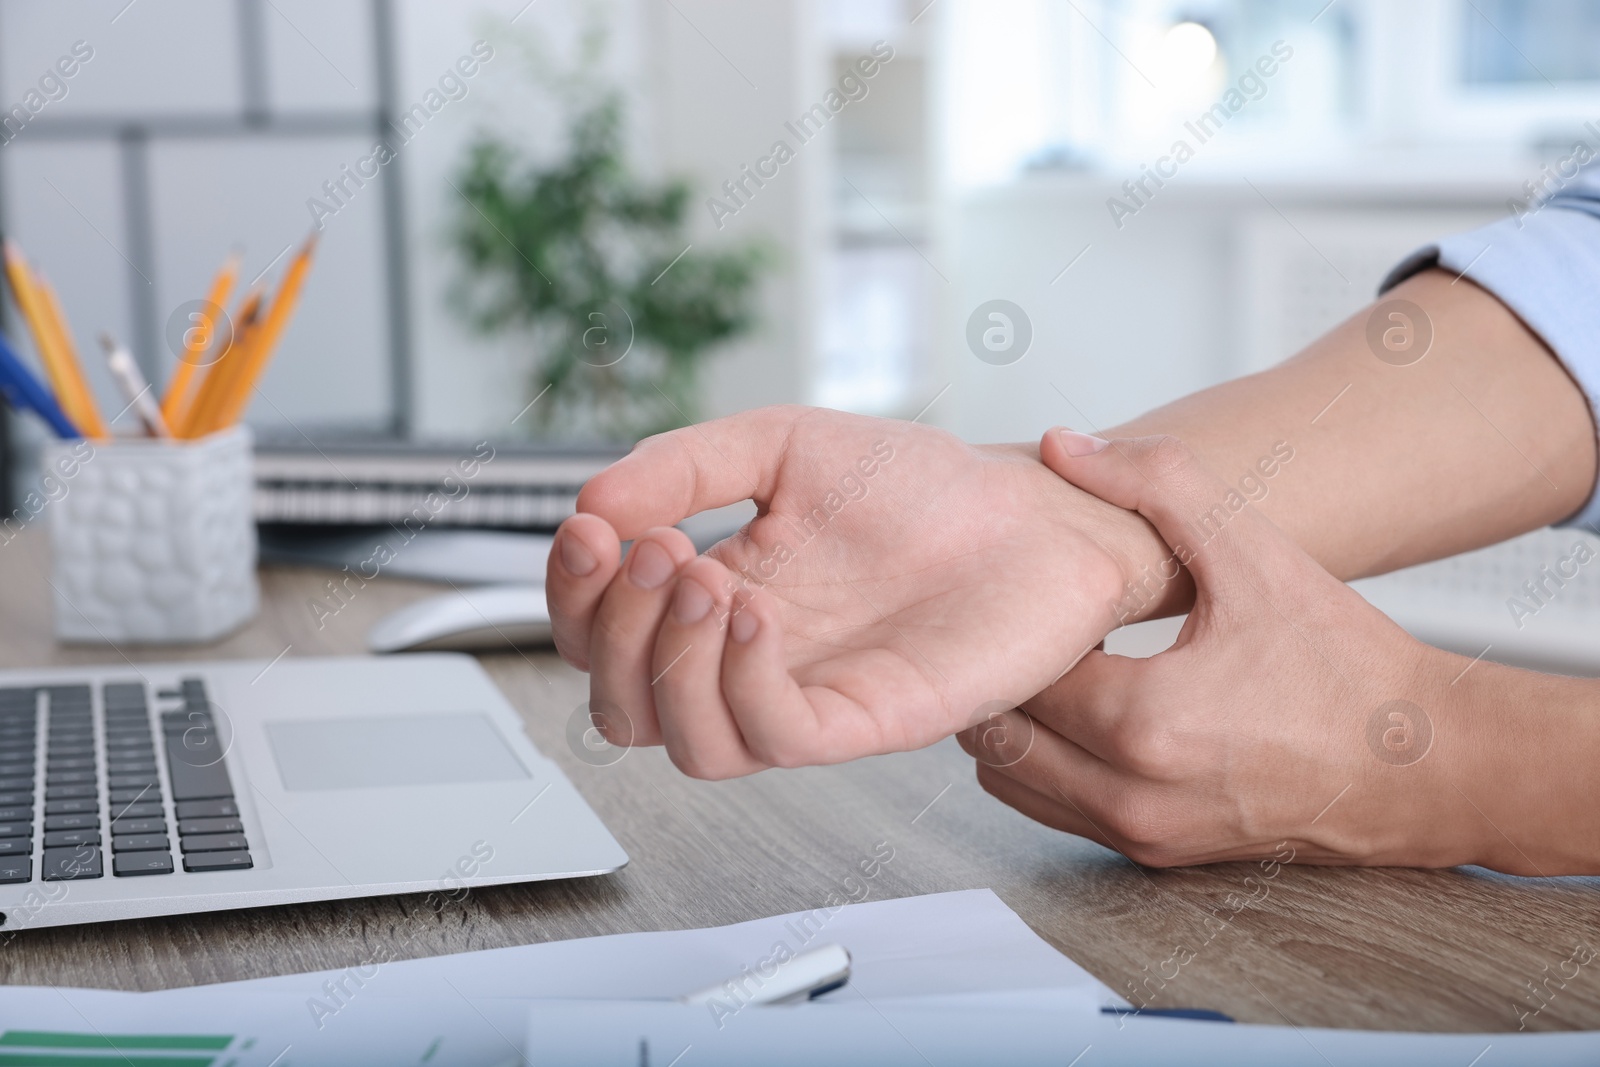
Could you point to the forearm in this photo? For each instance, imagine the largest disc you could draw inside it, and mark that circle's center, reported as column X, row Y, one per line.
column 1483, row 438
column 1515, row 778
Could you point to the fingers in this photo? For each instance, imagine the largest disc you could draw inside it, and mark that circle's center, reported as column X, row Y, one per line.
column 673, row 475
column 583, row 560
column 1208, row 524
column 622, row 637
column 724, row 696
column 1089, row 704
column 784, row 723
column 1059, row 783
column 1036, row 805
column 697, row 725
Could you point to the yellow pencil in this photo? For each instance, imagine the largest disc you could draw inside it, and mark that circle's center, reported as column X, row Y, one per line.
column 200, row 415
column 66, row 376
column 175, row 404
column 95, row 426
column 265, row 337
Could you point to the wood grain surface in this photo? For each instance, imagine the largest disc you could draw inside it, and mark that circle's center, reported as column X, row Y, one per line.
column 1392, row 949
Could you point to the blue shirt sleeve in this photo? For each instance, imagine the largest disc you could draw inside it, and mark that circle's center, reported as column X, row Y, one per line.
column 1542, row 262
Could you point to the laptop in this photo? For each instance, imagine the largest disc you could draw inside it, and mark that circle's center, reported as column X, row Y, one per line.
column 159, row 789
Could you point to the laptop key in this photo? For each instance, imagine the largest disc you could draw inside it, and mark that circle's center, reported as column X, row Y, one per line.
column 55, row 778
column 16, row 846
column 119, row 734
column 16, row 829
column 207, row 809
column 70, row 864
column 197, row 862
column 125, row 864
column 71, row 763
column 141, row 843
column 70, row 807
column 84, row 821
column 69, row 792
column 25, row 800
column 14, row 869
column 65, row 838
column 133, row 781
column 16, row 814
column 116, row 767
column 209, row 826
column 119, row 827
column 213, row 843
column 195, row 782
column 134, row 796
column 145, row 809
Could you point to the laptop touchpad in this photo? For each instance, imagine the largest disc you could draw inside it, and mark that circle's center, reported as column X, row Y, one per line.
column 408, row 750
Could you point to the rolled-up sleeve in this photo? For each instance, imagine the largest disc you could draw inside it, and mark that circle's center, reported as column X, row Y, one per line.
column 1544, row 264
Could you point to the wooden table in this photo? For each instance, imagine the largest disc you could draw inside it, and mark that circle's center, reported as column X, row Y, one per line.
column 1394, row 949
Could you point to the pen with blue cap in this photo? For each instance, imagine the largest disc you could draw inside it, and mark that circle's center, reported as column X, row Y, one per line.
column 25, row 392
column 1193, row 1014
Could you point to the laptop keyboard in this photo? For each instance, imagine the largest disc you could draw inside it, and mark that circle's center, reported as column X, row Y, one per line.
column 102, row 788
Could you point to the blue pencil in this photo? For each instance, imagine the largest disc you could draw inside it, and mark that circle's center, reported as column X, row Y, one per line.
column 24, row 391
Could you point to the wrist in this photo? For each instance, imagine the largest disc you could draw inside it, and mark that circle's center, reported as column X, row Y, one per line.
column 1519, row 769
column 1153, row 584
column 1142, row 579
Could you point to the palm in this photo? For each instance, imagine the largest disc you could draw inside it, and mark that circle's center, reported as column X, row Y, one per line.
column 952, row 579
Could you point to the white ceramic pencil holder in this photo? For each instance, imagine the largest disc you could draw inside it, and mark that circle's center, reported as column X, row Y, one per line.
column 154, row 540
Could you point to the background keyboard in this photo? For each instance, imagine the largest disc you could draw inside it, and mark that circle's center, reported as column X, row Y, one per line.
column 102, row 784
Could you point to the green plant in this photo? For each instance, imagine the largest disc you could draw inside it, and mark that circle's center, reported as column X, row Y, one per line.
column 583, row 257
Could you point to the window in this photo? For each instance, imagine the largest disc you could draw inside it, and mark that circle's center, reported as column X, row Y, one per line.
column 1508, row 42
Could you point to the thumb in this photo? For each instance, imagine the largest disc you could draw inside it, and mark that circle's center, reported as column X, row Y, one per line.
column 1209, row 525
column 668, row 477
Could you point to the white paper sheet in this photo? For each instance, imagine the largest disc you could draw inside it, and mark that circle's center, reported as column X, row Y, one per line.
column 945, row 944
column 907, row 1034
column 217, row 1026
column 949, row 979
column 957, row 950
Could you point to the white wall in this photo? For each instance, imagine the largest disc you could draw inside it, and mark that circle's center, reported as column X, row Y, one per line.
column 1210, row 280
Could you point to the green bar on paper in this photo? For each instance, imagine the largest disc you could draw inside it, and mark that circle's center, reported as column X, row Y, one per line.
column 43, row 1058
column 56, row 1039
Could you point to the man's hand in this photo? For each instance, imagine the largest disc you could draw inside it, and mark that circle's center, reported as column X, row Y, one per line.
column 1289, row 711
column 896, row 586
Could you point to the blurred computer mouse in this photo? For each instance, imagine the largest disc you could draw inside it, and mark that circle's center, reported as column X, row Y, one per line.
column 476, row 619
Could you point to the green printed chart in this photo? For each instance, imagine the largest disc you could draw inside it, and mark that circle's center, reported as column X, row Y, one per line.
column 55, row 1048
column 230, row 1027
